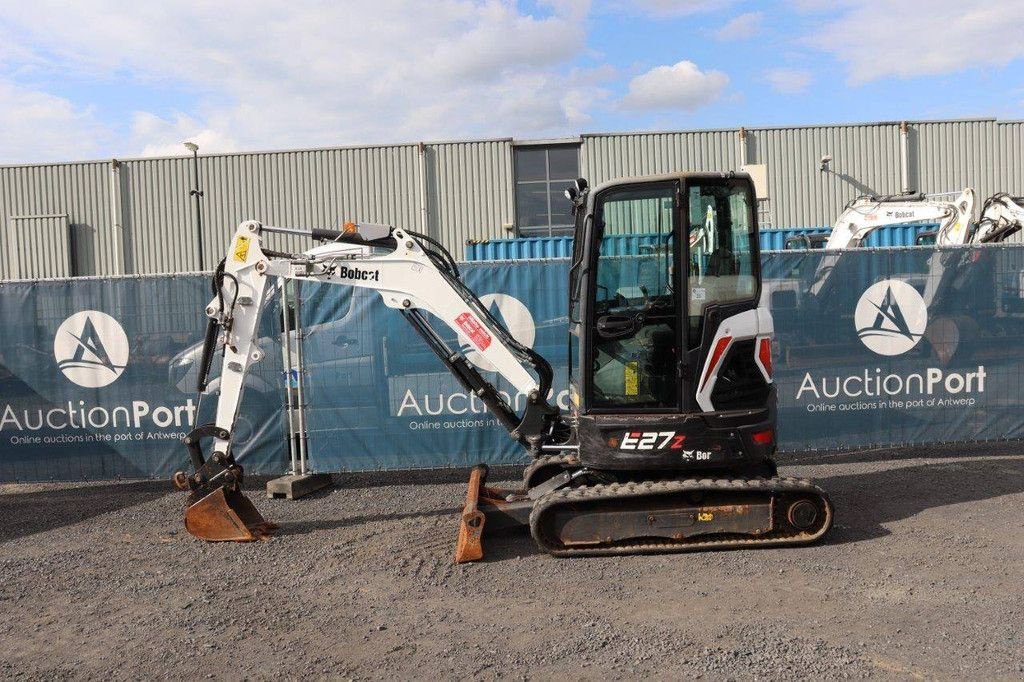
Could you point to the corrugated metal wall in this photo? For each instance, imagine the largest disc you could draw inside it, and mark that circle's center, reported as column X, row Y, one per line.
column 470, row 189
column 465, row 190
column 952, row 155
column 1010, row 156
column 311, row 188
column 866, row 160
column 80, row 191
column 605, row 157
column 943, row 156
column 38, row 246
column 158, row 217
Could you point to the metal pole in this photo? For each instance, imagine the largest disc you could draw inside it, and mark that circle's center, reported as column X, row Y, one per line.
column 904, row 157
column 197, row 193
column 424, row 226
column 300, row 336
column 292, row 454
column 742, row 135
column 116, row 213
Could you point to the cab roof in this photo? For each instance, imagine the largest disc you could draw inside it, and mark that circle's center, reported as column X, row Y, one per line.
column 666, row 177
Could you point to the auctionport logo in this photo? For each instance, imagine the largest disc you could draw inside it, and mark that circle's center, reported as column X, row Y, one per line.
column 91, row 349
column 890, row 317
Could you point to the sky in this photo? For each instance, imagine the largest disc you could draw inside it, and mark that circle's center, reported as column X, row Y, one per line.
column 122, row 79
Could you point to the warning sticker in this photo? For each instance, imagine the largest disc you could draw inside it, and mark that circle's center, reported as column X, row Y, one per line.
column 632, row 378
column 241, row 249
column 478, row 336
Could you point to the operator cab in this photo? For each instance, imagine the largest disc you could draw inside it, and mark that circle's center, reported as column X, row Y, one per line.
column 658, row 264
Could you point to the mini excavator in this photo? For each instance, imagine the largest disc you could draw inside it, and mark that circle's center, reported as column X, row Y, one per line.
column 669, row 439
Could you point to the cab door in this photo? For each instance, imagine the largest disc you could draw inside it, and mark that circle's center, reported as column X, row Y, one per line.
column 634, row 330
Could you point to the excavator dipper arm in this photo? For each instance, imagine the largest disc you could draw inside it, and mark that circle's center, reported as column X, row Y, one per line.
column 413, row 275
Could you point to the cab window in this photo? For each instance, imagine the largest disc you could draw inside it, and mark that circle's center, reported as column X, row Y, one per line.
column 722, row 251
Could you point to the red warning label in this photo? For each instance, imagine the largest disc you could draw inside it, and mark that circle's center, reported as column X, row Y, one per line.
column 474, row 330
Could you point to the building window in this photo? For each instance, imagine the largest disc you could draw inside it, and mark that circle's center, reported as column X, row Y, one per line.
column 542, row 175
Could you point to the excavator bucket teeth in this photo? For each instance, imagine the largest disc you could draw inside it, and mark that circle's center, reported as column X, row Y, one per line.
column 226, row 515
column 471, row 526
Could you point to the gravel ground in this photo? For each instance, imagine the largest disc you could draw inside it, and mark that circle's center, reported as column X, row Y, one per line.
column 920, row 579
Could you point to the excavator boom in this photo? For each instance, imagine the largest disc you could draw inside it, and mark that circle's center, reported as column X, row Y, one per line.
column 415, row 279
column 864, row 215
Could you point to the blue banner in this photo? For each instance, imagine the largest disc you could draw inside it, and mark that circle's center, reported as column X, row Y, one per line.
column 903, row 346
column 876, row 347
column 98, row 377
column 378, row 396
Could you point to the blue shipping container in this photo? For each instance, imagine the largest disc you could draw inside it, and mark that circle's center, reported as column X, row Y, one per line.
column 533, row 248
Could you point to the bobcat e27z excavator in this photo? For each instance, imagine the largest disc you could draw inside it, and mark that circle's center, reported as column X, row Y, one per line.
column 670, row 436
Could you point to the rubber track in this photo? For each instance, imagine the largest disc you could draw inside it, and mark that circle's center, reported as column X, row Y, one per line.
column 783, row 535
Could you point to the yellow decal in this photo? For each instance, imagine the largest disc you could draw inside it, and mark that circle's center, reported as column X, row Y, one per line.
column 705, row 516
column 241, row 249
column 632, row 377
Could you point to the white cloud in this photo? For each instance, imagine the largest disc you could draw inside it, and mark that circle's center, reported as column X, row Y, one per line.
column 741, row 27
column 788, row 81
column 162, row 137
column 314, row 73
column 674, row 8
column 879, row 38
column 680, row 86
column 38, row 126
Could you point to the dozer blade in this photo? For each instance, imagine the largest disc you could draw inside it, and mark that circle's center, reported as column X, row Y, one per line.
column 471, row 528
column 226, row 515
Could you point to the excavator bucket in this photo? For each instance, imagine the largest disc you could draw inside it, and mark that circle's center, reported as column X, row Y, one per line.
column 226, row 515
column 471, row 528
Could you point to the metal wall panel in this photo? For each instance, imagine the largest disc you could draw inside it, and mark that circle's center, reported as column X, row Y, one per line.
column 866, row 160
column 308, row 188
column 158, row 223
column 1010, row 157
column 38, row 246
column 605, row 157
column 951, row 155
column 81, row 191
column 470, row 191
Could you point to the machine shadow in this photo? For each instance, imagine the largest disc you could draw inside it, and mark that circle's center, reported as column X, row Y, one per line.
column 25, row 514
column 373, row 479
column 866, row 502
column 900, row 453
column 303, row 527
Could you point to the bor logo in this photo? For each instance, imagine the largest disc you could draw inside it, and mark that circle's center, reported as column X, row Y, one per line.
column 516, row 318
column 91, row 349
column 891, row 317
